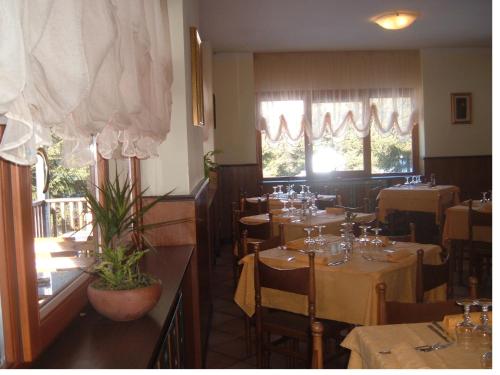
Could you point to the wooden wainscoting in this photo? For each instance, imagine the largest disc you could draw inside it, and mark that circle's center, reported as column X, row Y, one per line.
column 233, row 179
column 194, row 207
column 473, row 174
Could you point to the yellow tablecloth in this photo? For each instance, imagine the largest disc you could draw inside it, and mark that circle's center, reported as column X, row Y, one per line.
column 456, row 225
column 294, row 230
column 419, row 198
column 346, row 292
column 365, row 344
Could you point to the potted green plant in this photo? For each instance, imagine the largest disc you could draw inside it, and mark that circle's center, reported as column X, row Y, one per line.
column 209, row 165
column 121, row 291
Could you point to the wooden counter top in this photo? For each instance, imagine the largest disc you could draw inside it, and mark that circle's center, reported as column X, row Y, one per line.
column 93, row 341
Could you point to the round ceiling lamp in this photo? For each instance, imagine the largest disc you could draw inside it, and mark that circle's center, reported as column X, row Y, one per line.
column 395, row 20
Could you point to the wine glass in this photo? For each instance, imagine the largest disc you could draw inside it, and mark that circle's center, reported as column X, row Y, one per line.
column 302, row 190
column 309, row 241
column 377, row 241
column 465, row 329
column 280, row 191
column 274, row 191
column 419, row 179
column 364, row 240
column 285, row 208
column 407, row 180
column 482, row 332
column 320, row 240
column 485, row 198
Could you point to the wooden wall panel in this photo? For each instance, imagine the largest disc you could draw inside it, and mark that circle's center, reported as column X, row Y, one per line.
column 194, row 207
column 232, row 180
column 172, row 235
column 473, row 174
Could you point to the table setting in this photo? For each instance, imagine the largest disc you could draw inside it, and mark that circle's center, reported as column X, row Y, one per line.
column 346, row 268
column 459, row 341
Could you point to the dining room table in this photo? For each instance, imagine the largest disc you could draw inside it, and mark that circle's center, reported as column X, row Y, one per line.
column 456, row 225
column 294, row 225
column 418, row 198
column 396, row 346
column 344, row 292
column 277, row 203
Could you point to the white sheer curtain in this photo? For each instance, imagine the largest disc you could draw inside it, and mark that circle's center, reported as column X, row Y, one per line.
column 363, row 90
column 84, row 68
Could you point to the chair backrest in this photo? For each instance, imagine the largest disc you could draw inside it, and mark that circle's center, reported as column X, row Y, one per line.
column 410, row 237
column 478, row 219
column 296, row 280
column 317, row 346
column 430, row 276
column 248, row 246
column 260, row 206
column 391, row 312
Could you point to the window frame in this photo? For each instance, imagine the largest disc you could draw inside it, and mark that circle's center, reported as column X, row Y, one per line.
column 310, row 175
column 28, row 330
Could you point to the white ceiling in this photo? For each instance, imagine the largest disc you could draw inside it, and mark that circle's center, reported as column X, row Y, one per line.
column 299, row 25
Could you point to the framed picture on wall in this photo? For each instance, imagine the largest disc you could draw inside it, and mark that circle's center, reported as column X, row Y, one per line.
column 196, row 78
column 461, row 108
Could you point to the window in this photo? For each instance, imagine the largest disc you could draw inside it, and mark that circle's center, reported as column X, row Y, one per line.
column 335, row 139
column 64, row 242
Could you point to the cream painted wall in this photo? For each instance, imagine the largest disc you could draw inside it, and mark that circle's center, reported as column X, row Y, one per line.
column 180, row 164
column 233, row 81
column 448, row 70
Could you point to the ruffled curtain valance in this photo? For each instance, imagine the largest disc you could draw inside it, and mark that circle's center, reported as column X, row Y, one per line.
column 324, row 93
column 84, row 68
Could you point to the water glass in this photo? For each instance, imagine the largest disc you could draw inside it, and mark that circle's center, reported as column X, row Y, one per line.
column 465, row 329
column 483, row 332
column 320, row 240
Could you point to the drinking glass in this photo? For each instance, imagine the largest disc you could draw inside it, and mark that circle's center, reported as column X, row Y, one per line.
column 482, row 332
column 280, row 191
column 291, row 191
column 419, row 179
column 302, row 190
column 364, row 240
column 284, row 209
column 407, row 180
column 309, row 241
column 377, row 241
column 465, row 329
column 485, row 198
column 275, row 194
column 308, row 189
column 320, row 240
column 313, row 207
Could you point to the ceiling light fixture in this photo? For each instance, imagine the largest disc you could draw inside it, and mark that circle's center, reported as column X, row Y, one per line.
column 395, row 20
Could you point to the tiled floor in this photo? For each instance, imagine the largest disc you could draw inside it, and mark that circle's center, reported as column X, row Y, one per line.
column 226, row 345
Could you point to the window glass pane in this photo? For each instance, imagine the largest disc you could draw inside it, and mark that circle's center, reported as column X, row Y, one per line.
column 390, row 154
column 64, row 242
column 283, row 159
column 286, row 156
column 341, row 153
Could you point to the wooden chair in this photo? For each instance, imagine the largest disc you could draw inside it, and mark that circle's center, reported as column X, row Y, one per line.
column 410, row 237
column 478, row 250
column 390, row 312
column 261, row 206
column 261, row 231
column 294, row 327
column 430, row 276
column 317, row 349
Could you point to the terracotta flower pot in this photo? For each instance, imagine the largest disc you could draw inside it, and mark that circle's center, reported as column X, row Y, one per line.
column 124, row 305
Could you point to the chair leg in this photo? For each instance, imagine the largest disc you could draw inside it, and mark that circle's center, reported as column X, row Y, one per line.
column 248, row 335
column 267, row 353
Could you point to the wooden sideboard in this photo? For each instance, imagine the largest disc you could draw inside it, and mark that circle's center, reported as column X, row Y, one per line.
column 158, row 340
